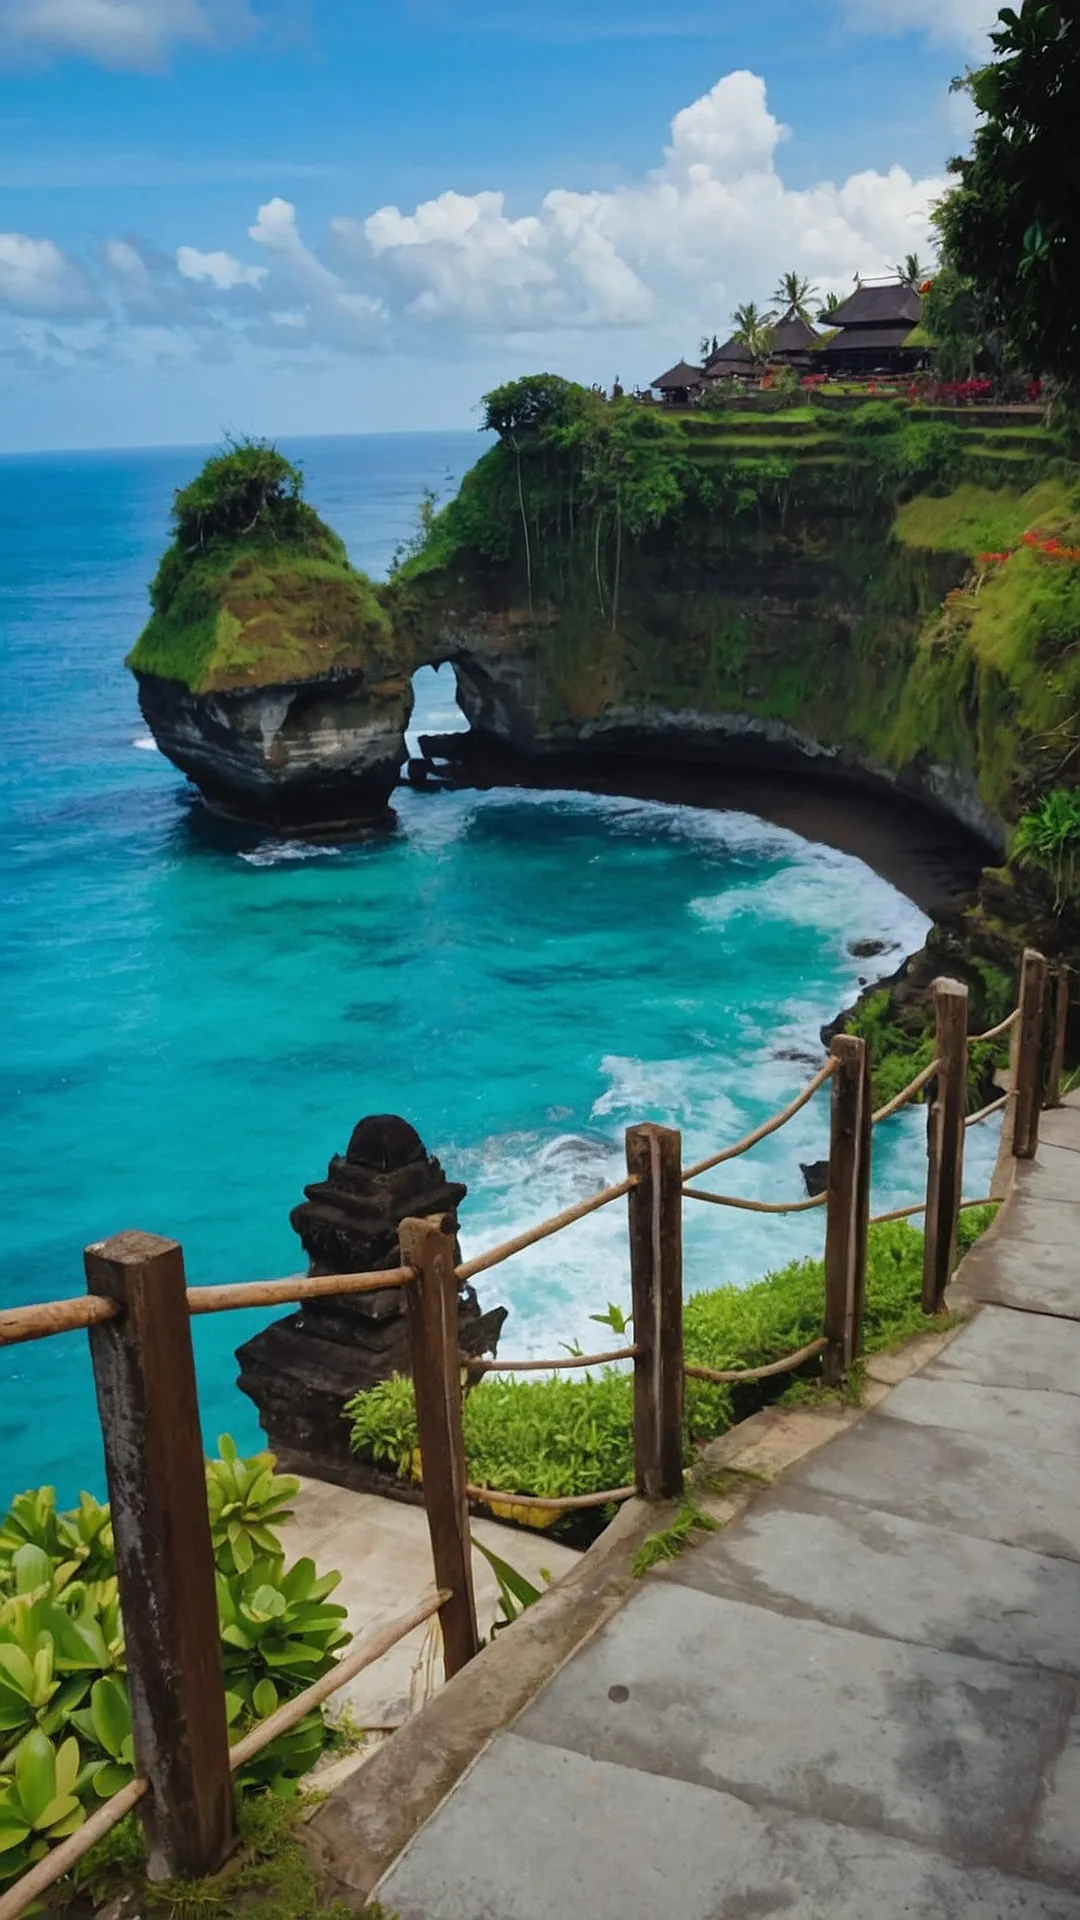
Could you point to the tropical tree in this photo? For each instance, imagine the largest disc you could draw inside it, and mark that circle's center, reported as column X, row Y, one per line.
column 828, row 306
column 1011, row 224
column 793, row 295
column 753, row 329
column 912, row 271
column 957, row 321
column 519, row 412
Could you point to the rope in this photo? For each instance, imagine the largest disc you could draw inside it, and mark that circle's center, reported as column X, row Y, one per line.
column 559, row 1220
column 768, row 1126
column 904, row 1213
column 722, row 1376
column 992, row 1033
column 906, row 1093
column 995, row 1106
column 494, row 1497
column 756, row 1206
column 547, row 1366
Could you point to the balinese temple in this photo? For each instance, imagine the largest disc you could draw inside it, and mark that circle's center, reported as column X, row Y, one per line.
column 794, row 344
column 733, row 358
column 873, row 326
column 680, row 384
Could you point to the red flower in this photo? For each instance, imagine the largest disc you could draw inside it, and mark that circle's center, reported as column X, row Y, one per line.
column 1030, row 539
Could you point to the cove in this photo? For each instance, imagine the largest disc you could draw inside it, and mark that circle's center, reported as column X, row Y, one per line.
column 200, row 1016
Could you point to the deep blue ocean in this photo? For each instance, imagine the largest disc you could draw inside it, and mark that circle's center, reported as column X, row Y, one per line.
column 197, row 1018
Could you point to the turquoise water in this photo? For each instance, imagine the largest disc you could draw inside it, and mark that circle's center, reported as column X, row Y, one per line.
column 198, row 1017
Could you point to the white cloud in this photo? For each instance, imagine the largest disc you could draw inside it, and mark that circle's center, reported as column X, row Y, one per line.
column 346, row 318
column 714, row 224
column 965, row 21
column 221, row 269
column 117, row 33
column 37, row 278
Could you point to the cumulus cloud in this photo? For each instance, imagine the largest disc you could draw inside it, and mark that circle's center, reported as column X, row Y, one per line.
column 118, row 33
column 221, row 269
column 37, row 278
column 346, row 317
column 714, row 223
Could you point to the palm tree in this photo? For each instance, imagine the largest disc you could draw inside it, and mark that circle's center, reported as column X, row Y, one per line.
column 828, row 307
column 753, row 329
column 913, row 271
column 793, row 296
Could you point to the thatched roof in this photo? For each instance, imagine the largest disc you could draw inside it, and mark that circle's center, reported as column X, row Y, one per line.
column 678, row 377
column 866, row 340
column 792, row 335
column 880, row 305
column 732, row 355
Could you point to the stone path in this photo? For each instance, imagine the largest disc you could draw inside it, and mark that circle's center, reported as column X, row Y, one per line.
column 860, row 1700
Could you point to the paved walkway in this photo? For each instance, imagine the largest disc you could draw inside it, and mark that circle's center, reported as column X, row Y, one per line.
column 862, row 1699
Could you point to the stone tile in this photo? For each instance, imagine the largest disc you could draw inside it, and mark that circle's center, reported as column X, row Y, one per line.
column 1060, row 1127
column 933, row 1747
column 1034, row 1268
column 873, row 1572
column 538, row 1833
column 952, row 1479
column 1053, row 1176
column 1055, row 1844
column 1021, row 1419
column 1004, row 1348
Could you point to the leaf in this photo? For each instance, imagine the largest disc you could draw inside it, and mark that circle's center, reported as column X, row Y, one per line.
column 265, row 1699
column 227, row 1447
column 510, row 1580
column 35, row 1773
column 111, row 1715
column 32, row 1568
column 67, row 1766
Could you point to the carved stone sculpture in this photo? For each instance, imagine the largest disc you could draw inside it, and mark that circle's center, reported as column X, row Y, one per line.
column 301, row 1370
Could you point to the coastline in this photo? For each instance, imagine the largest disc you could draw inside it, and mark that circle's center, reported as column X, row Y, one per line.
column 930, row 859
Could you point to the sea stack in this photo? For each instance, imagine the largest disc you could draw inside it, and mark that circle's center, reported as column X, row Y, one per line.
column 301, row 1370
column 268, row 671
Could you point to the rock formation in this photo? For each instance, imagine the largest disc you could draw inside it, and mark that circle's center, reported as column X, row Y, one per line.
column 301, row 1370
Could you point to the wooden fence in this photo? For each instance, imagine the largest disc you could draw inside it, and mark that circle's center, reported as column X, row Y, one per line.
column 138, row 1308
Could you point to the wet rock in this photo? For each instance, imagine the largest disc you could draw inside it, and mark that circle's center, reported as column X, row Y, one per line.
column 301, row 1370
column 868, row 949
column 815, row 1175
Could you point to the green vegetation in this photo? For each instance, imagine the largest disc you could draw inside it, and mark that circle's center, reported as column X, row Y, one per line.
column 1010, row 226
column 899, row 1053
column 255, row 589
column 1049, row 837
column 65, row 1720
column 670, row 1541
column 562, row 1436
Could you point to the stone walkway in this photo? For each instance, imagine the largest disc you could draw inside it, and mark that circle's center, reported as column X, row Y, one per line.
column 860, row 1700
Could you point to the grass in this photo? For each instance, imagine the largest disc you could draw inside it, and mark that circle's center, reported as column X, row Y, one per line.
column 246, row 616
column 974, row 519
column 669, row 1543
column 270, row 1877
column 575, row 1435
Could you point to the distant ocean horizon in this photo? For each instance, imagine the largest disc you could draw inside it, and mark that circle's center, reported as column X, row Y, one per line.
column 199, row 1015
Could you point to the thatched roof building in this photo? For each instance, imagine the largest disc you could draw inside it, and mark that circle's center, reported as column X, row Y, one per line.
column 679, row 383
column 873, row 326
column 733, row 357
column 793, row 342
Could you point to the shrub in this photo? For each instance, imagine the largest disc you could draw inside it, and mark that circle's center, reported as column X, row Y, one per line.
column 562, row 1436
column 1049, row 837
column 65, row 1717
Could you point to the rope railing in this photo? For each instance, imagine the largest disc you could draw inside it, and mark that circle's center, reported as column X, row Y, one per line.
column 993, row 1106
column 725, row 1376
column 919, row 1206
column 63, row 1858
column 496, row 1255
column 905, row 1094
column 756, row 1206
column 548, row 1366
column 994, row 1033
column 569, row 1503
column 767, row 1126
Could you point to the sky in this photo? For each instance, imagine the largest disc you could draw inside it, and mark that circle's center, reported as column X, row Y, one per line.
column 294, row 217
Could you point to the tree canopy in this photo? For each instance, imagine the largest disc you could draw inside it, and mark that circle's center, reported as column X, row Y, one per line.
column 1011, row 224
column 247, row 492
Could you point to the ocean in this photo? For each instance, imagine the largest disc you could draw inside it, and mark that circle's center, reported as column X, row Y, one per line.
column 198, row 1016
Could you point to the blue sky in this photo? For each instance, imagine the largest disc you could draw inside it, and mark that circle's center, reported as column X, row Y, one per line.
column 304, row 216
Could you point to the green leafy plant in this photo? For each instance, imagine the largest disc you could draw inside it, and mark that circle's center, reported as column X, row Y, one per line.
column 278, row 1632
column 247, row 1500
column 39, row 1800
column 515, row 1591
column 615, row 1318
column 1049, row 837
column 669, row 1542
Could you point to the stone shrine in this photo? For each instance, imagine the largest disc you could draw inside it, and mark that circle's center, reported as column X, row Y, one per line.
column 301, row 1370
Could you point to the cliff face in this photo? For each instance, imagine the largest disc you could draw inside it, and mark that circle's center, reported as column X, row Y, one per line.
column 269, row 674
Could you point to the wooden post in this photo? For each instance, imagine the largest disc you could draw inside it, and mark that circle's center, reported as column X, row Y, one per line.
column 432, row 1305
column 945, row 1162
column 847, row 1205
column 1058, row 1035
column 654, row 1154
column 1028, row 1057
column 144, row 1373
column 862, row 1203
